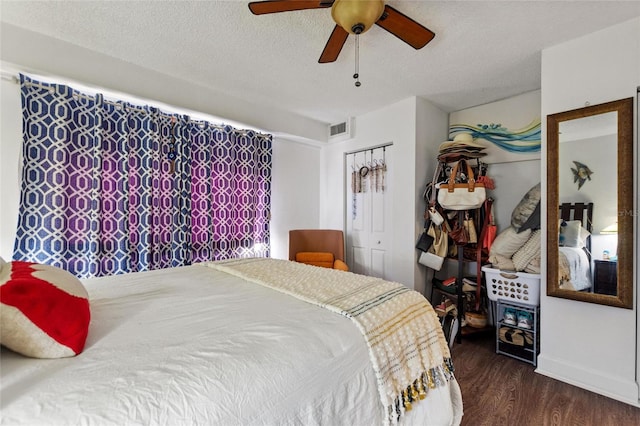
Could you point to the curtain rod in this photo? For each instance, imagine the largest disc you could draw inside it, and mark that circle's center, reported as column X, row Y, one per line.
column 373, row 148
column 4, row 75
column 9, row 77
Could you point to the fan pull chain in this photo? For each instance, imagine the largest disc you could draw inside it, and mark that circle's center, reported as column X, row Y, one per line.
column 357, row 75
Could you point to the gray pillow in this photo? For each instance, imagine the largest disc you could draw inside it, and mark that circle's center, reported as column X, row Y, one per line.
column 526, row 208
column 533, row 222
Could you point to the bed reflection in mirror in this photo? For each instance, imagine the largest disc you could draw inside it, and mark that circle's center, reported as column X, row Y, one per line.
column 589, row 167
column 575, row 270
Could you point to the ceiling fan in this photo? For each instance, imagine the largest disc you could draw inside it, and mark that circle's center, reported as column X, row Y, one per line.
column 353, row 17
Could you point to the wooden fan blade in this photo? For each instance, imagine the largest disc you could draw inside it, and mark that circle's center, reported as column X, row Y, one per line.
column 334, row 45
column 275, row 6
column 405, row 28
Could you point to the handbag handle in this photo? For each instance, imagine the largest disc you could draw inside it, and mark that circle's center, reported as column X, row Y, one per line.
column 434, row 182
column 471, row 182
column 431, row 202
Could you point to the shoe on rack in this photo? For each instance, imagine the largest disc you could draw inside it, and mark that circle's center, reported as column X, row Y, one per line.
column 469, row 285
column 525, row 320
column 470, row 280
column 528, row 339
column 445, row 307
column 509, row 316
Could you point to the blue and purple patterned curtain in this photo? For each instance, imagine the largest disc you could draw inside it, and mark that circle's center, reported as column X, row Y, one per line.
column 110, row 187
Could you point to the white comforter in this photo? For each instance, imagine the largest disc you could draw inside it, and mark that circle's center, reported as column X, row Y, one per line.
column 193, row 345
column 579, row 269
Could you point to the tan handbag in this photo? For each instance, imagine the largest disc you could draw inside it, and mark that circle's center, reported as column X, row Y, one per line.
column 434, row 257
column 470, row 227
column 440, row 244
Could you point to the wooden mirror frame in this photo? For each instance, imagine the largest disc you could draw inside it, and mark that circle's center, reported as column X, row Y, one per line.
column 624, row 296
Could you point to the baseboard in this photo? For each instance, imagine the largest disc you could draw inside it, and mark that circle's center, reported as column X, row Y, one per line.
column 615, row 388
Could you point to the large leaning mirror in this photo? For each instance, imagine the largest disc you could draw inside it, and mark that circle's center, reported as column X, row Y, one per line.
column 590, row 204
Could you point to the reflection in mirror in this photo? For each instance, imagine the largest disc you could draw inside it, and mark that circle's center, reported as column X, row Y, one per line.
column 589, row 170
column 588, row 147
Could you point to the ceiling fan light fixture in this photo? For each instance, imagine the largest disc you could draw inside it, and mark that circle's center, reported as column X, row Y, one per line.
column 357, row 16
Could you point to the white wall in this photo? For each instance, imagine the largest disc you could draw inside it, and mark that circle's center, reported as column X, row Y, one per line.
column 589, row 345
column 10, row 149
column 295, row 200
column 432, row 129
column 395, row 124
column 295, row 184
column 512, row 180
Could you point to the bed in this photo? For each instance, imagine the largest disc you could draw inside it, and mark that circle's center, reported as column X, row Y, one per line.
column 206, row 344
column 574, row 262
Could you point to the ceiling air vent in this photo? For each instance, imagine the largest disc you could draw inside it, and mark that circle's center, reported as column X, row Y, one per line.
column 341, row 131
column 338, row 129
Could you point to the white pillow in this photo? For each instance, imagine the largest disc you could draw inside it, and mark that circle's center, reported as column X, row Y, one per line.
column 509, row 241
column 572, row 234
column 528, row 251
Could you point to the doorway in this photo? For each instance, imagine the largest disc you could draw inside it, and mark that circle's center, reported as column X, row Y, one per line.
column 368, row 210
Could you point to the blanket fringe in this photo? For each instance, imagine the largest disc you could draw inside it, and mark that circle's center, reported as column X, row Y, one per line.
column 431, row 379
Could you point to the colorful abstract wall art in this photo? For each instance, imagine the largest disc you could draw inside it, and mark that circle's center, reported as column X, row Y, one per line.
column 510, row 128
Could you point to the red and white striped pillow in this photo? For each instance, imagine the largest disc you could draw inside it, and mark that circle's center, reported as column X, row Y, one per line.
column 44, row 310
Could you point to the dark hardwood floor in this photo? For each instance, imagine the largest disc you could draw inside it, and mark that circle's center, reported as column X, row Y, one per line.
column 499, row 390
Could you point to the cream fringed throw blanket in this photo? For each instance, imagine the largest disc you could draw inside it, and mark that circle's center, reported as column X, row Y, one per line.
column 406, row 344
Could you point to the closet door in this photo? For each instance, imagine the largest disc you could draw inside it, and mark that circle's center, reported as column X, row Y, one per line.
column 368, row 204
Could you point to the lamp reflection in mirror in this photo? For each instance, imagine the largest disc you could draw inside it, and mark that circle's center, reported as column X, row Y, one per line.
column 611, row 229
column 611, row 232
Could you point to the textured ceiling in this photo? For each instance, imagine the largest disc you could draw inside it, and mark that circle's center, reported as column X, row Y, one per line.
column 483, row 51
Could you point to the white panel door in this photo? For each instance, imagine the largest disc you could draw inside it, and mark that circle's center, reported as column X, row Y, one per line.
column 368, row 212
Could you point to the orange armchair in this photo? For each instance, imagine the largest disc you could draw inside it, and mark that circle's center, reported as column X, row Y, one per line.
column 319, row 247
